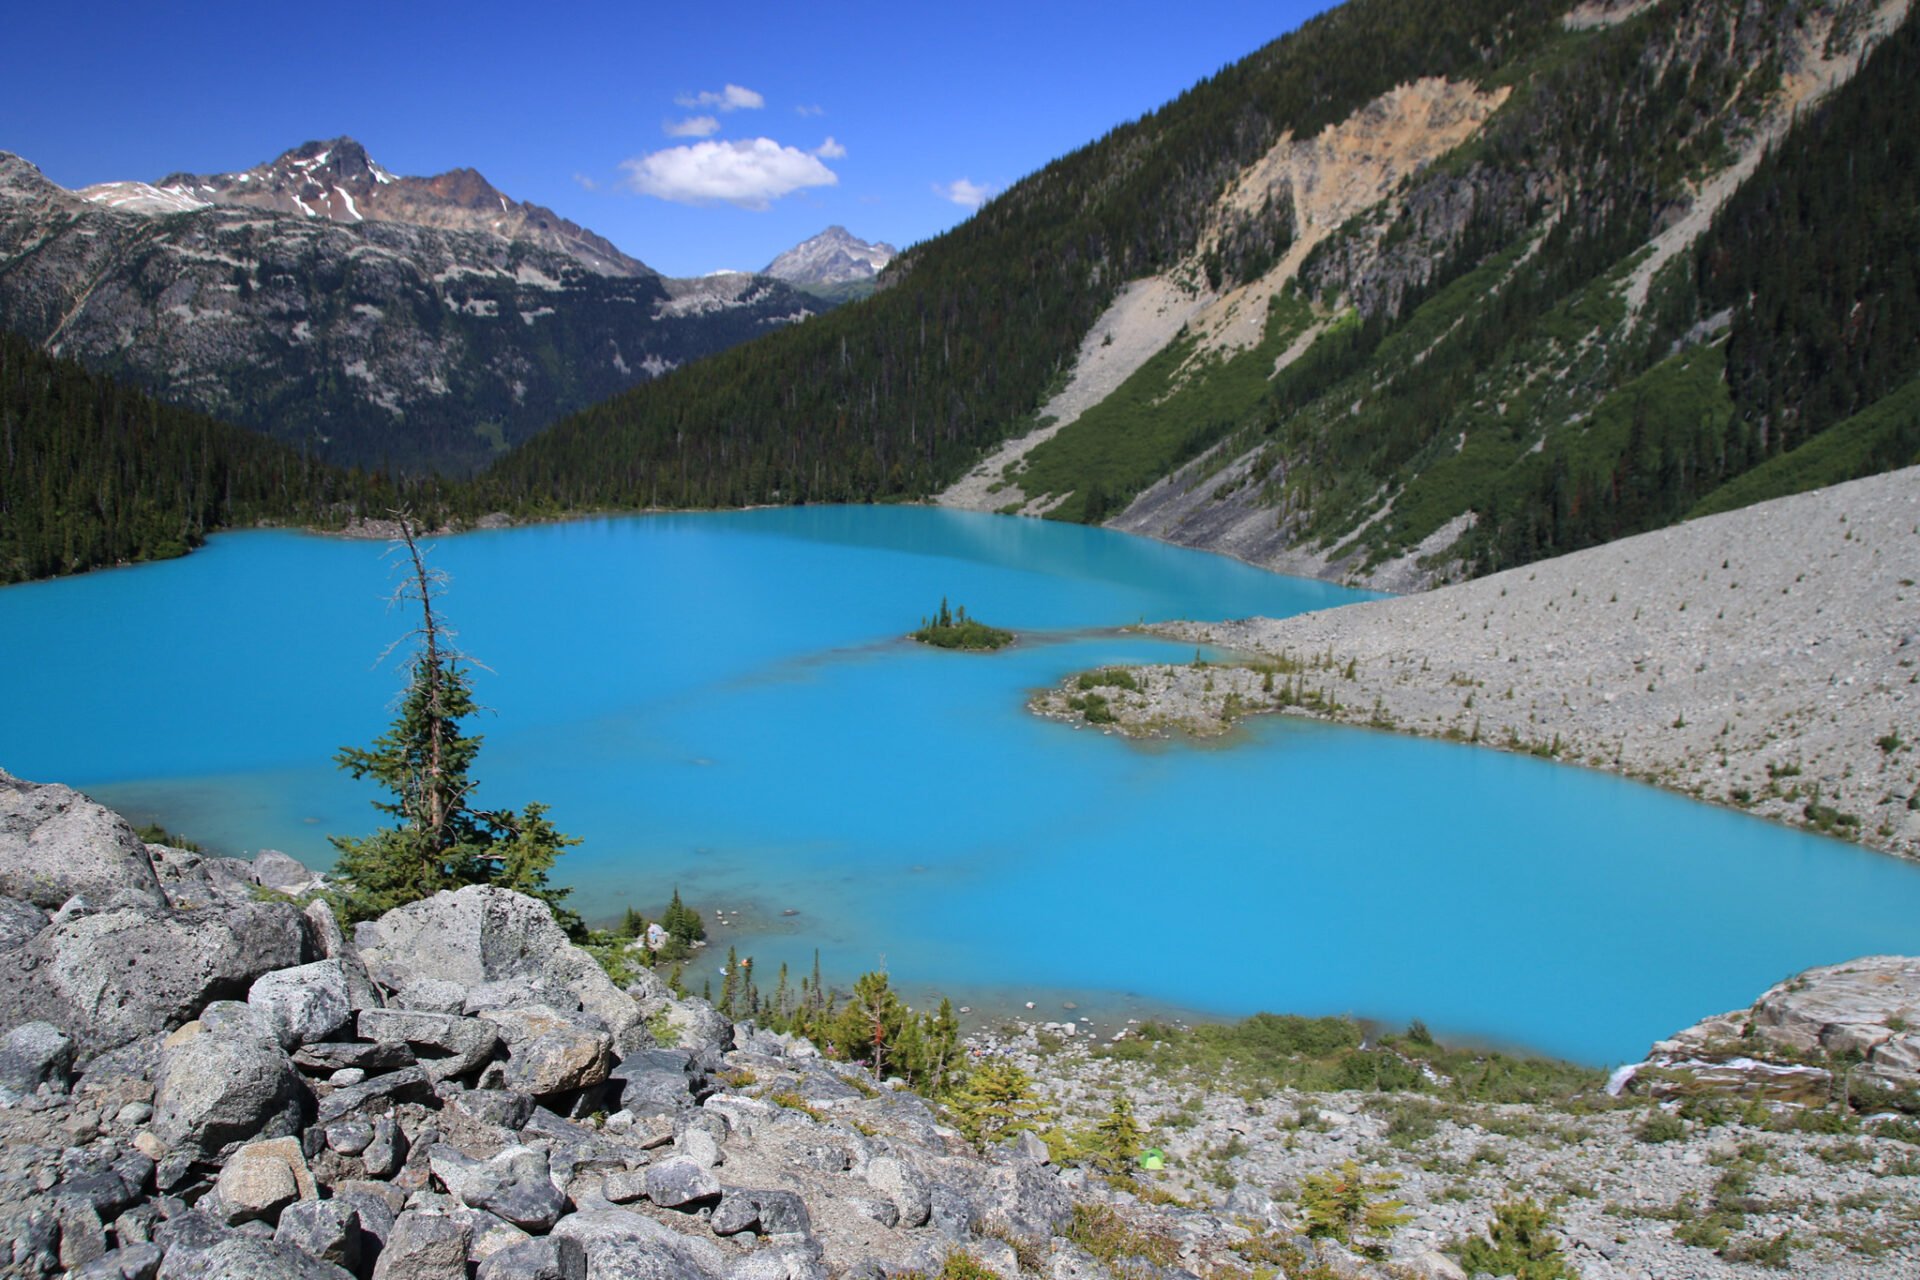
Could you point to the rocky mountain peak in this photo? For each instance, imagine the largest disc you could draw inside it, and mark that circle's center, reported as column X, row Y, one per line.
column 336, row 180
column 834, row 257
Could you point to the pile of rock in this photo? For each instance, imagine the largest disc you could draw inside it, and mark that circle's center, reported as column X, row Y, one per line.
column 204, row 1078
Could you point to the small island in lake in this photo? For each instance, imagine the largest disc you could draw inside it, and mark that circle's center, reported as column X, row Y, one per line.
column 953, row 629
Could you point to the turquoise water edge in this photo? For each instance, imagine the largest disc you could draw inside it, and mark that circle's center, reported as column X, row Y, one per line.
column 725, row 703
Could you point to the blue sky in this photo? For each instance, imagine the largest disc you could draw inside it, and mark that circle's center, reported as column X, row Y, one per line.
column 694, row 136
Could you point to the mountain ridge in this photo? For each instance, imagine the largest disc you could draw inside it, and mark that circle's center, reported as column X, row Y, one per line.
column 367, row 341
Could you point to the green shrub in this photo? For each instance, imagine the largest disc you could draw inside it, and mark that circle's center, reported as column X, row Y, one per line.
column 1517, row 1244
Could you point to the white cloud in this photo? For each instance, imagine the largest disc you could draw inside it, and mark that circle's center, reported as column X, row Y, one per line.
column 750, row 174
column 814, row 110
column 691, row 127
column 963, row 191
column 830, row 149
column 731, row 98
column 586, row 182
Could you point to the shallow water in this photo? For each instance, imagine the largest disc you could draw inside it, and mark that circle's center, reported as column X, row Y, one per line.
column 723, row 702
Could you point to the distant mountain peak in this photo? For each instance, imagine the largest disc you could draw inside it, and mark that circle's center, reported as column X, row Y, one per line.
column 834, row 257
column 336, row 180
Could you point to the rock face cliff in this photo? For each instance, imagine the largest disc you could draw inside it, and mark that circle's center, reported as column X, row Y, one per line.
column 423, row 323
column 203, row 1075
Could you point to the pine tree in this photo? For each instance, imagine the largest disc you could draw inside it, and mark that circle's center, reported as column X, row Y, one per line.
column 996, row 1102
column 1118, row 1136
column 423, row 761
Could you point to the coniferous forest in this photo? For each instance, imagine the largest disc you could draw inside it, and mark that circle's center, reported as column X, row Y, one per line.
column 96, row 473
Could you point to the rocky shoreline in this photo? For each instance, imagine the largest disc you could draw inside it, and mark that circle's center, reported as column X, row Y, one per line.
column 1767, row 659
column 203, row 1075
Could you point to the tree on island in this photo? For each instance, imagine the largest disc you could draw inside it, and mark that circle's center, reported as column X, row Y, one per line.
column 424, row 761
column 953, row 629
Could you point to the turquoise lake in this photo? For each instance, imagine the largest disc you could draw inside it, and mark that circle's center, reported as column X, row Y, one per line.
column 725, row 703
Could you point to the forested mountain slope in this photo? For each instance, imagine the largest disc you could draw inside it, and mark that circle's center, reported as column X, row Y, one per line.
column 93, row 473
column 1417, row 291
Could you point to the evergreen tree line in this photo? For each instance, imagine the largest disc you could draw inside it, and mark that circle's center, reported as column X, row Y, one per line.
column 94, row 472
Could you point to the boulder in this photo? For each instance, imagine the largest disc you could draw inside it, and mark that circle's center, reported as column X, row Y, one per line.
column 339, row 1055
column 215, row 1092
column 482, row 934
column 111, row 978
column 129, row 1262
column 680, row 1183
column 325, row 1229
column 306, row 1003
column 261, row 1179
column 517, row 1185
column 554, row 1258
column 903, row 1185
column 446, row 1044
column 19, row 922
column 56, row 843
column 33, row 1054
column 550, row 1051
column 424, row 1246
column 620, row 1242
column 656, row 1081
column 767, row 1212
column 246, row 1257
column 281, row 872
column 406, row 1084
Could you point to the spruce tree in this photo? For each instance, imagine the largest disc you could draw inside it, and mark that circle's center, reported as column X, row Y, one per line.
column 424, row 762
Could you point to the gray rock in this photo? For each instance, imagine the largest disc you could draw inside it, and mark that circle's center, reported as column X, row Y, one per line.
column 447, row 1045
column 325, row 1229
column 903, row 1185
column 261, row 1179
column 656, row 1081
column 349, row 1137
column 281, row 872
column 623, row 1186
column 406, row 1084
column 481, row 934
column 950, row 1212
column 377, row 1205
column 517, row 1185
column 375, row 1059
column 56, row 843
column 19, row 922
column 679, row 1183
column 244, row 1257
column 434, row 995
column 884, row 1212
column 768, row 1212
column 504, row 1108
column 111, row 978
column 215, row 1092
column 555, row 1258
column 83, row 1237
column 550, row 1051
column 130, row 1262
column 424, row 1246
column 304, row 1004
column 33, row 1054
column 621, row 1243
column 388, row 1150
